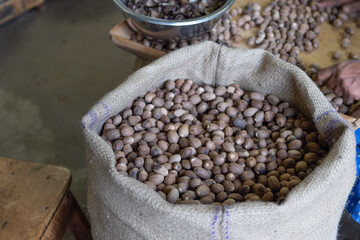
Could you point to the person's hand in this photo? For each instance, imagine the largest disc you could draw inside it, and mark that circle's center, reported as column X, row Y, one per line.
column 348, row 6
column 343, row 78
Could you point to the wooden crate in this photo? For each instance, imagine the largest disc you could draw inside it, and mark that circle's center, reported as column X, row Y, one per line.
column 12, row 8
column 36, row 202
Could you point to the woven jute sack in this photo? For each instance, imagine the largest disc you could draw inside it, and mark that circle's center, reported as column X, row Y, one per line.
column 123, row 208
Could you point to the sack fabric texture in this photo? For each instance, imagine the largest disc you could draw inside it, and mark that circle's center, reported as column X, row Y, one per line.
column 123, row 208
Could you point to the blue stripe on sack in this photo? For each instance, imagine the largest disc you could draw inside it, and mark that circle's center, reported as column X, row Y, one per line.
column 227, row 218
column 323, row 114
column 353, row 202
column 216, row 216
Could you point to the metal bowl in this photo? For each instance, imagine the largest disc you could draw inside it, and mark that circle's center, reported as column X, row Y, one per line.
column 172, row 29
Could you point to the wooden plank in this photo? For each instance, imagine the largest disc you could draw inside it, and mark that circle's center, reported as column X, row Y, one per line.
column 12, row 8
column 30, row 193
column 353, row 122
column 120, row 36
column 58, row 223
column 68, row 214
column 79, row 225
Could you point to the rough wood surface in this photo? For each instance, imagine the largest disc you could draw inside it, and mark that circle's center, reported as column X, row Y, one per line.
column 78, row 224
column 353, row 122
column 30, row 194
column 68, row 214
column 12, row 8
column 120, row 36
column 58, row 223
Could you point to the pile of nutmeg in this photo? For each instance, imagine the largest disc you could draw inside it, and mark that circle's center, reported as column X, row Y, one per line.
column 214, row 145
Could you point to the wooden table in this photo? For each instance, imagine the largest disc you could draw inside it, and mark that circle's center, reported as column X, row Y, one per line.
column 36, row 203
column 329, row 41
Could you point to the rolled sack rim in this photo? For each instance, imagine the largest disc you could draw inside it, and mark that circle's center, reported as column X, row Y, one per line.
column 297, row 196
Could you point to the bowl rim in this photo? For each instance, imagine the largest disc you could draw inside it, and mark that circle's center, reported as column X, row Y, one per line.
column 186, row 22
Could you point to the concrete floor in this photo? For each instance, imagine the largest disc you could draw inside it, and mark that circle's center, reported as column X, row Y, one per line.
column 54, row 64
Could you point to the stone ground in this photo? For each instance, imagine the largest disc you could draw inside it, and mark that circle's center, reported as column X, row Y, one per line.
column 55, row 64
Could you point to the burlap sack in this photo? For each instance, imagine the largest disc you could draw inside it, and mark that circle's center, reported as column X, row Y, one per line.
column 123, row 208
